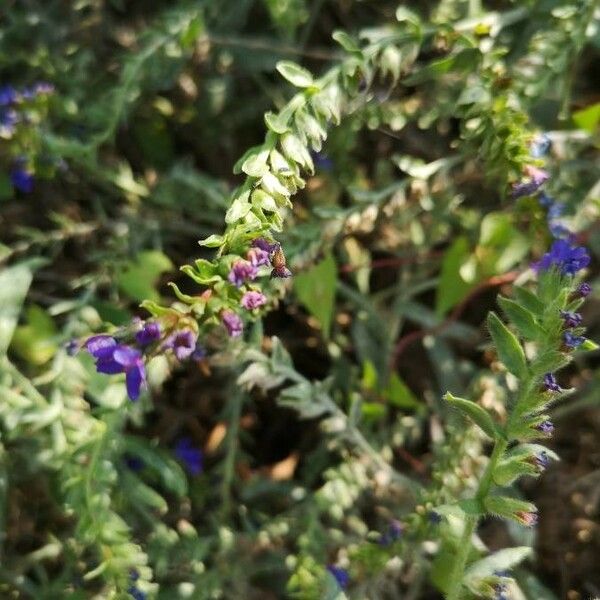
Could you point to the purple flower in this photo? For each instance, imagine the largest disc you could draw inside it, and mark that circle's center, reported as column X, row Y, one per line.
column 189, row 455
column 8, row 95
column 571, row 340
column 545, row 200
column 136, row 593
column 584, row 290
column 21, row 179
column 546, row 427
column 258, row 257
column 540, row 146
column 241, row 272
column 569, row 259
column 233, row 323
column 537, row 177
column 571, row 319
column 132, row 365
column 251, row 300
column 112, row 358
column 529, row 519
column 150, row 332
column 550, row 384
column 183, row 343
column 340, row 575
column 100, row 346
column 264, row 245
column 542, row 460
column 393, row 533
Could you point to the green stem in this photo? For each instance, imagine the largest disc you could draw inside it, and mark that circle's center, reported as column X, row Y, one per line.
column 461, row 559
column 237, row 401
column 483, row 489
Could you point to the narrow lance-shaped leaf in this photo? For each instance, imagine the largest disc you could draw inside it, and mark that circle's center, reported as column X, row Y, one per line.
column 522, row 319
column 509, row 349
column 474, row 412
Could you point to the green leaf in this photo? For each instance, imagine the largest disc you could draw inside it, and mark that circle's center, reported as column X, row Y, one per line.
column 529, row 300
column 315, row 288
column 36, row 340
column 239, row 208
column 14, row 284
column 346, row 42
column 256, row 164
column 452, row 288
column 502, row 560
column 212, row 241
column 399, row 394
column 510, row 351
column 522, row 319
column 588, row 118
column 137, row 279
column 295, row 74
column 476, row 413
column 204, row 272
column 550, row 361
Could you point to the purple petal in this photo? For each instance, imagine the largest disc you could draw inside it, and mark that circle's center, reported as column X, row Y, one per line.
column 126, row 356
column 100, row 346
column 134, row 380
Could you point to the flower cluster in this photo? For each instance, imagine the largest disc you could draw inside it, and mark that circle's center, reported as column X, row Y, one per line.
column 127, row 351
column 16, row 111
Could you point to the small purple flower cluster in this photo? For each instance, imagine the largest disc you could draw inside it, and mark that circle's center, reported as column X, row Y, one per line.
column 12, row 103
column 113, row 355
column 261, row 253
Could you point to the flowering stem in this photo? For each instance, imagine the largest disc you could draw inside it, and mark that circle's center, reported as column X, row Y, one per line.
column 237, row 401
column 464, row 547
column 471, row 523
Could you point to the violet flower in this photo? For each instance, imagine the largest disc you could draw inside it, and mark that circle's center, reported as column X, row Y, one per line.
column 242, row 271
column 252, row 299
column 113, row 358
column 537, row 178
column 571, row 319
column 22, row 179
column 264, row 245
column 340, row 575
column 546, row 427
column 149, row 333
column 529, row 519
column 584, row 290
column 233, row 323
column 569, row 259
column 571, row 340
column 182, row 342
column 258, row 257
column 550, row 383
column 189, row 455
